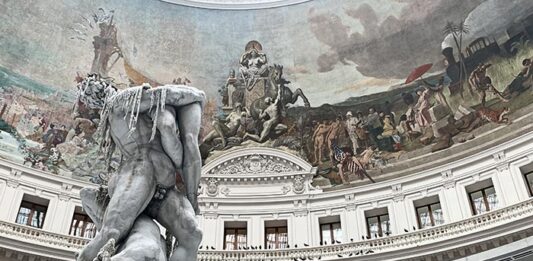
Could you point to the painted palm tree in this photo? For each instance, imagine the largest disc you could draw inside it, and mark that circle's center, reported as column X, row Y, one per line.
column 457, row 31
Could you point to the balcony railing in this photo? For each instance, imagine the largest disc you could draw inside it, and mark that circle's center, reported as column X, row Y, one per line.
column 41, row 237
column 380, row 245
column 368, row 247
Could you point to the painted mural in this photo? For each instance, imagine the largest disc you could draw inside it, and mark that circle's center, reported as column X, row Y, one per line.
column 357, row 88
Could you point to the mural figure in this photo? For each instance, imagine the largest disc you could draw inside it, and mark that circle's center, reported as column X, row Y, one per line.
column 253, row 64
column 231, row 92
column 254, row 103
column 105, row 44
column 319, row 141
column 483, row 83
column 389, row 123
column 271, row 117
column 422, row 117
column 228, row 127
column 351, row 126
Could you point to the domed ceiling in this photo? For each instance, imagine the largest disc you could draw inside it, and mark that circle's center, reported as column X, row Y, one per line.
column 331, row 49
column 336, row 57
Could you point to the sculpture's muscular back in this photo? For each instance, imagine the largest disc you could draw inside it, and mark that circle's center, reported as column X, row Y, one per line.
column 136, row 144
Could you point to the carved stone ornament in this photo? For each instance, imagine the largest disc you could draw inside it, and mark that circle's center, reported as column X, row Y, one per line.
column 285, row 189
column 255, row 164
column 447, row 177
column 298, row 185
column 397, row 193
column 225, row 191
column 212, row 187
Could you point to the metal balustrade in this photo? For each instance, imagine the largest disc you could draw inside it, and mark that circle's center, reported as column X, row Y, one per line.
column 498, row 217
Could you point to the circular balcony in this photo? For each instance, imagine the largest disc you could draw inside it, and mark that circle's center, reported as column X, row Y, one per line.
column 256, row 186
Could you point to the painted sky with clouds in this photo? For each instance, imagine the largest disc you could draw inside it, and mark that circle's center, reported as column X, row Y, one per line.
column 331, row 49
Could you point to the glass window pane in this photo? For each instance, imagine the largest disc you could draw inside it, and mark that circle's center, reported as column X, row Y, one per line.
column 423, row 216
column 529, row 178
column 491, row 198
column 90, row 230
column 438, row 218
column 241, row 238
column 271, row 238
column 337, row 232
column 23, row 215
column 31, row 215
column 385, row 224
column 373, row 226
column 478, row 203
column 326, row 233
column 230, row 239
column 283, row 238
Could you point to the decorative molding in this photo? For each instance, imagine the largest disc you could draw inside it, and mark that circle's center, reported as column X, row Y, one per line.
column 398, row 198
column 285, row 189
column 503, row 167
column 447, row 176
column 499, row 156
column 351, row 207
column 255, row 164
column 210, row 215
column 256, row 161
column 225, row 191
column 397, row 193
column 13, row 183
column 298, row 184
column 449, row 184
column 397, row 188
column 349, row 197
column 212, row 187
column 14, row 177
column 15, row 173
column 301, row 213
column 235, row 4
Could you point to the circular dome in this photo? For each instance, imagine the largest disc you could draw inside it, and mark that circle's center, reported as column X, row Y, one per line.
column 235, row 4
column 387, row 130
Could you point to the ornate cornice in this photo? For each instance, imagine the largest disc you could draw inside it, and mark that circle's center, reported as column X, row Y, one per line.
column 235, row 4
column 256, row 162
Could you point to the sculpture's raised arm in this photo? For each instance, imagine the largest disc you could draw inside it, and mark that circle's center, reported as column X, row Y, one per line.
column 173, row 95
column 143, row 99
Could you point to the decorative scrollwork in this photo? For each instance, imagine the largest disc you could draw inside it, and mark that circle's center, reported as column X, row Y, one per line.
column 255, row 164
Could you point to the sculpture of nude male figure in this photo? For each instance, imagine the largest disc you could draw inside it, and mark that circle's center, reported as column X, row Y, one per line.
column 147, row 170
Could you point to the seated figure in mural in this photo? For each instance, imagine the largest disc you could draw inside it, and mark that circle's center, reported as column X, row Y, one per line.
column 483, row 83
column 272, row 118
column 229, row 126
column 253, row 65
column 146, row 180
column 524, row 79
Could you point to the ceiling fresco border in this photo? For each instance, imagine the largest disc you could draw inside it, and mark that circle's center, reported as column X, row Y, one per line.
column 235, row 4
